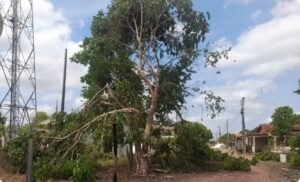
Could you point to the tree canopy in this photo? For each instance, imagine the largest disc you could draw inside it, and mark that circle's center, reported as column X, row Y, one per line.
column 283, row 118
column 144, row 52
column 40, row 116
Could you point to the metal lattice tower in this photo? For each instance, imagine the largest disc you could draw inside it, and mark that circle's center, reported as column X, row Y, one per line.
column 17, row 61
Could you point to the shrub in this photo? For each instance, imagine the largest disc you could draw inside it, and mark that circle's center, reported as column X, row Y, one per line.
column 294, row 143
column 83, row 170
column 294, row 160
column 109, row 163
column 187, row 150
column 254, row 161
column 15, row 153
column 267, row 155
column 15, row 150
column 42, row 170
column 236, row 164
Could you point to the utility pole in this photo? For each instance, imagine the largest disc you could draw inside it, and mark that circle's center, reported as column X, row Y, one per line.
column 115, row 151
column 227, row 133
column 243, row 124
column 64, row 83
column 219, row 131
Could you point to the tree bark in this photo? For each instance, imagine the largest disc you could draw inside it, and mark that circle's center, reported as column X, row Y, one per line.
column 147, row 133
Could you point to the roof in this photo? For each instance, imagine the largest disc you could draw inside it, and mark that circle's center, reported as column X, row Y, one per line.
column 267, row 128
column 296, row 127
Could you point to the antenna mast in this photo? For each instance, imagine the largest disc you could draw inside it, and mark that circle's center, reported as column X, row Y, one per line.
column 17, row 62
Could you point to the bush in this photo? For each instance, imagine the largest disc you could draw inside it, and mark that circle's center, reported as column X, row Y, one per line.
column 267, row 155
column 78, row 170
column 294, row 143
column 83, row 170
column 15, row 153
column 109, row 163
column 236, row 164
column 254, row 161
column 42, row 170
column 294, row 160
column 189, row 149
column 15, row 150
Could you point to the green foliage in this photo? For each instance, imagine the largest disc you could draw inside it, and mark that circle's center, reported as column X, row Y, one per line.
column 42, row 169
column 223, row 138
column 283, row 118
column 111, row 53
column 83, row 170
column 2, row 125
column 294, row 142
column 2, row 129
column 227, row 162
column 236, row 164
column 294, row 160
column 254, row 161
column 78, row 170
column 189, row 149
column 15, row 150
column 173, row 153
column 109, row 163
column 40, row 116
column 267, row 155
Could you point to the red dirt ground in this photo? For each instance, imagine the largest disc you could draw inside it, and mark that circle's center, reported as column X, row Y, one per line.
column 263, row 172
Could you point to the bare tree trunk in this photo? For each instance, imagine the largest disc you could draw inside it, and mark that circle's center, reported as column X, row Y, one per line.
column 147, row 133
column 138, row 156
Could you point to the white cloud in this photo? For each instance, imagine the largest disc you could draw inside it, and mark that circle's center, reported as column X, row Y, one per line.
column 271, row 43
column 79, row 101
column 52, row 36
column 287, row 7
column 263, row 53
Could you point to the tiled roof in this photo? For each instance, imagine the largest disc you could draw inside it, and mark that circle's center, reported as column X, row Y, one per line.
column 266, row 129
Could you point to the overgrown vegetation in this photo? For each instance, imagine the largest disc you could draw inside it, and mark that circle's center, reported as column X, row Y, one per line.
column 267, row 155
column 140, row 56
column 283, row 119
column 294, row 158
column 189, row 150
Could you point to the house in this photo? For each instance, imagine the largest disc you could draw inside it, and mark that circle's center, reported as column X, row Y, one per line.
column 261, row 136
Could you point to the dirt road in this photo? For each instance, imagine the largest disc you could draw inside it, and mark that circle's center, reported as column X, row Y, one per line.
column 263, row 172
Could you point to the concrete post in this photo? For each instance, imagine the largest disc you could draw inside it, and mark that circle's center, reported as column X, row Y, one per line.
column 2, row 141
column 253, row 146
column 275, row 142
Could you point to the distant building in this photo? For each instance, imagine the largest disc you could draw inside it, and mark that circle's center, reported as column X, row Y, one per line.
column 261, row 136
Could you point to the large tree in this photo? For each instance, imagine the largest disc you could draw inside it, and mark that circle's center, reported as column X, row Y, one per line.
column 283, row 119
column 144, row 52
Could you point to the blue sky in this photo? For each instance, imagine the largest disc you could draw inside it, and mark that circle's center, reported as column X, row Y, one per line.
column 264, row 36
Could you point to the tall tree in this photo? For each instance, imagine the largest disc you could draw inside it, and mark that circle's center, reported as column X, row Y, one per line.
column 145, row 51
